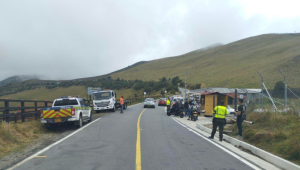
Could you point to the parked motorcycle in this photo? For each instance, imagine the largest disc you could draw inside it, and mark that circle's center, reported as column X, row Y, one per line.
column 194, row 115
column 168, row 111
column 181, row 113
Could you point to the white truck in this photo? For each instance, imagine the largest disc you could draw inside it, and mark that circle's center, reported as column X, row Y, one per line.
column 106, row 100
column 67, row 109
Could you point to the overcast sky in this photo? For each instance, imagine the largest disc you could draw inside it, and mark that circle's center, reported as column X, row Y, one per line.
column 68, row 39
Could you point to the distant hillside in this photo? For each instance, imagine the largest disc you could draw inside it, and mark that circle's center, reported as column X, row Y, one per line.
column 14, row 79
column 231, row 65
column 123, row 69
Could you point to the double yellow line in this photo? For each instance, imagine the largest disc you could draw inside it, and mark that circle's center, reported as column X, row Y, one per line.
column 138, row 161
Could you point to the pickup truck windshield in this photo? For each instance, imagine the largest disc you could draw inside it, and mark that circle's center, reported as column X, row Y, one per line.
column 65, row 102
column 102, row 95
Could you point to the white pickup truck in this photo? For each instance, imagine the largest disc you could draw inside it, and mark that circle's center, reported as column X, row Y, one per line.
column 66, row 109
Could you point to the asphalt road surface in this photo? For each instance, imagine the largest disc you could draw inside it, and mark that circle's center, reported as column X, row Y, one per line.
column 114, row 143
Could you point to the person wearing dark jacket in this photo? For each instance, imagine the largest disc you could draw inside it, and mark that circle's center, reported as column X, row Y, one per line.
column 186, row 107
column 240, row 117
column 176, row 108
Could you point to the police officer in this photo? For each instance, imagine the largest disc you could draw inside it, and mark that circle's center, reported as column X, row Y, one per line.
column 219, row 120
column 168, row 104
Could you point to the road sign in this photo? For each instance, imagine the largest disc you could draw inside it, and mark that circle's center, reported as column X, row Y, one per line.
column 144, row 93
column 165, row 91
column 241, row 96
column 91, row 90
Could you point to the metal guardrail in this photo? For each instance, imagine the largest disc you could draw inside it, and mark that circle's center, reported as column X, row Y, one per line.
column 21, row 111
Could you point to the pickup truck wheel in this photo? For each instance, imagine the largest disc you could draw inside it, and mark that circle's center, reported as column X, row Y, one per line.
column 48, row 126
column 91, row 118
column 125, row 106
column 80, row 122
column 113, row 109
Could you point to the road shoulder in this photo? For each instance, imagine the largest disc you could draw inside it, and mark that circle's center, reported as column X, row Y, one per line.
column 252, row 158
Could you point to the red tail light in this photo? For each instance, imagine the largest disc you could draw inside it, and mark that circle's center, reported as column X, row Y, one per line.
column 42, row 114
column 73, row 111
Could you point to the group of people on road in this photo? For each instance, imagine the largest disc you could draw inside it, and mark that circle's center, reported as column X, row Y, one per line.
column 219, row 114
column 180, row 105
column 219, row 120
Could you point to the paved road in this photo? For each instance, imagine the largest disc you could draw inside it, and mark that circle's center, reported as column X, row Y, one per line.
column 110, row 144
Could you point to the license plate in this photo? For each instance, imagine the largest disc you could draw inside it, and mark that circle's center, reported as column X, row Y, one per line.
column 149, row 104
column 195, row 114
column 57, row 120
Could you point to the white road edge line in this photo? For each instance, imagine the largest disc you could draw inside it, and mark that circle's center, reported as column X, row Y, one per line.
column 50, row 146
column 221, row 147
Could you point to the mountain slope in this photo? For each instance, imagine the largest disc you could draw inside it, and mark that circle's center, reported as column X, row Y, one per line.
column 232, row 65
column 14, row 79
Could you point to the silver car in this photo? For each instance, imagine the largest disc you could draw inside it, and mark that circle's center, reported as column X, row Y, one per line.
column 149, row 102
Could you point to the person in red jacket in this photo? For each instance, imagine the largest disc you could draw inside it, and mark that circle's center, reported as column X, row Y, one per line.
column 121, row 103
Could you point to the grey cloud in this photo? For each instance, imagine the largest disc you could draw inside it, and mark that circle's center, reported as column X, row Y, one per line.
column 64, row 39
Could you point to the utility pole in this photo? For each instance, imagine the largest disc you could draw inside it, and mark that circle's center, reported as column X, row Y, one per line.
column 262, row 88
column 185, row 88
column 246, row 99
column 285, row 90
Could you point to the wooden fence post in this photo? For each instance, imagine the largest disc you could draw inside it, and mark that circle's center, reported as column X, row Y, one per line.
column 16, row 117
column 6, row 115
column 36, row 109
column 23, row 111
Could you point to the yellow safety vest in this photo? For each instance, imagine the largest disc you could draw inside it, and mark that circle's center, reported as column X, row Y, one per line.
column 220, row 112
column 168, row 102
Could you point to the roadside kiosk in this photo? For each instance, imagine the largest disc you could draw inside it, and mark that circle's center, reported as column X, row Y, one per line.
column 211, row 99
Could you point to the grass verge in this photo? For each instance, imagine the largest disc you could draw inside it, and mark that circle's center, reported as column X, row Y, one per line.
column 277, row 133
column 15, row 137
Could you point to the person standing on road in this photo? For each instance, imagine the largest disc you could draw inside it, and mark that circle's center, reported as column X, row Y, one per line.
column 168, row 104
column 240, row 117
column 219, row 120
column 121, row 103
column 186, row 107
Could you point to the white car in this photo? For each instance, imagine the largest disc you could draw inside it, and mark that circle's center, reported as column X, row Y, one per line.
column 230, row 110
column 149, row 102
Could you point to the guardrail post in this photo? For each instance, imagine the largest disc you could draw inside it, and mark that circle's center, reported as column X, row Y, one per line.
column 36, row 109
column 23, row 111
column 16, row 117
column 3, row 118
column 6, row 111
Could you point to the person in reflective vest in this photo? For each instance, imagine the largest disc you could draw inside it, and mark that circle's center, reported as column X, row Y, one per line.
column 219, row 120
column 121, row 103
column 168, row 104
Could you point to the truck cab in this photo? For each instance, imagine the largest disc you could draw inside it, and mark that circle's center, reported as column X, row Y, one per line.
column 104, row 100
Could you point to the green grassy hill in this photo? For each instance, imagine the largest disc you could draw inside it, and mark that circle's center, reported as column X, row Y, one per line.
column 232, row 65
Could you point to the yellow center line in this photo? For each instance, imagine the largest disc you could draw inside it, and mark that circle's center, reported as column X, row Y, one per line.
column 41, row 156
column 138, row 161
